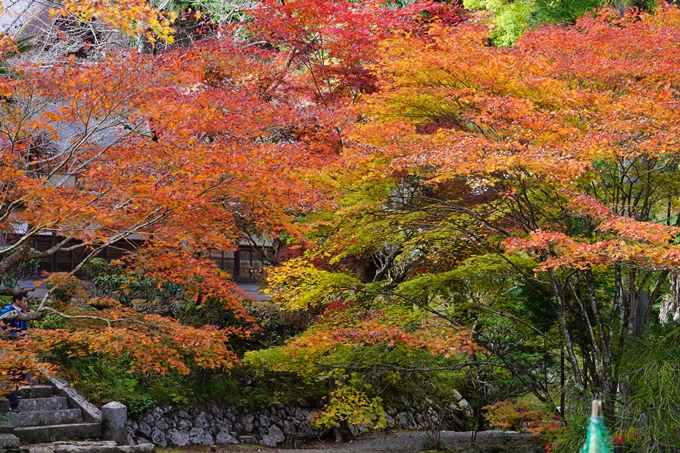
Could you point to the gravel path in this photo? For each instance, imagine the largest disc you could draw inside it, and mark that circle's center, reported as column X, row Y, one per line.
column 402, row 442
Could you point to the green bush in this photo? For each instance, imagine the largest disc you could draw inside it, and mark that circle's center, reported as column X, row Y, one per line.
column 52, row 322
column 99, row 267
column 102, row 380
column 68, row 289
column 126, row 288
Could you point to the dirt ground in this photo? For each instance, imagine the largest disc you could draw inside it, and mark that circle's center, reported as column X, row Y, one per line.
column 393, row 442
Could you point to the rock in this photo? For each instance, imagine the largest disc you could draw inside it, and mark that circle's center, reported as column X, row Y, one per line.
column 223, row 437
column 457, row 395
column 158, row 438
column 265, row 421
column 288, row 427
column 355, row 430
column 404, row 420
column 207, row 439
column 183, row 414
column 162, row 425
column 145, row 429
column 465, row 407
column 148, row 419
column 306, row 431
column 267, row 441
column 200, row 437
column 184, row 425
column 274, row 436
column 223, row 426
column 247, row 422
column 178, row 438
column 247, row 439
column 201, row 421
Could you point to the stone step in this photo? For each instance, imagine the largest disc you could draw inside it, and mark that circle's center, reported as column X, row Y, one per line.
column 53, row 403
column 36, row 391
column 6, row 427
column 41, row 418
column 8, row 441
column 52, row 433
column 91, row 447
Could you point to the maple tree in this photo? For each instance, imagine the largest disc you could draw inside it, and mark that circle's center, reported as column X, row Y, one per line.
column 528, row 194
column 179, row 153
column 185, row 153
column 573, row 154
column 332, row 47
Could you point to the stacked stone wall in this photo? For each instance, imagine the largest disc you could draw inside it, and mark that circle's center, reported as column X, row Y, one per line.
column 282, row 425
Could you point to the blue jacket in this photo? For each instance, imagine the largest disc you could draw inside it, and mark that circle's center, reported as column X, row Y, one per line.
column 14, row 326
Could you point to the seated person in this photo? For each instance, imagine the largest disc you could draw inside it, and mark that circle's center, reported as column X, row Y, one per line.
column 15, row 328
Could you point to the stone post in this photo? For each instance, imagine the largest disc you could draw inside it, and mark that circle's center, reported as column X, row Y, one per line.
column 114, row 422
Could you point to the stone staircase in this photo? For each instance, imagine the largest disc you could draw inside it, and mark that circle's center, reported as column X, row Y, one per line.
column 55, row 418
column 47, row 416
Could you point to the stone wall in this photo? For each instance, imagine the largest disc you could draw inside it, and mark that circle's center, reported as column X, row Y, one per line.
column 282, row 425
